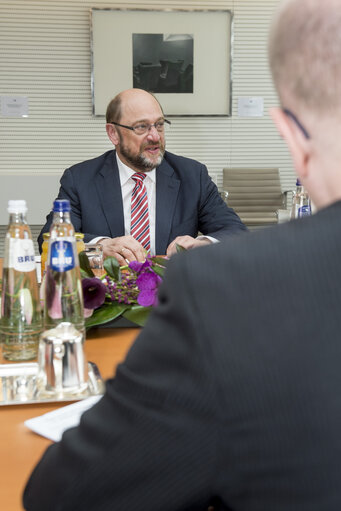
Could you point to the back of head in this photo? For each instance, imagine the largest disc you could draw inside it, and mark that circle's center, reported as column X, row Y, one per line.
column 304, row 51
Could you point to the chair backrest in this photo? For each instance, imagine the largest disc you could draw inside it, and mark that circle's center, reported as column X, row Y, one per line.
column 254, row 193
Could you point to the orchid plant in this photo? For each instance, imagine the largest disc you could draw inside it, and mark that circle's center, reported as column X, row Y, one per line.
column 129, row 291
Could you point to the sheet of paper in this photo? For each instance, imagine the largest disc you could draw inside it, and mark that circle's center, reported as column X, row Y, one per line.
column 53, row 424
column 14, row 106
column 250, row 107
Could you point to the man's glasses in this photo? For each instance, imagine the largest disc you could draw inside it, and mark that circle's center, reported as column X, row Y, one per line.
column 142, row 127
column 297, row 122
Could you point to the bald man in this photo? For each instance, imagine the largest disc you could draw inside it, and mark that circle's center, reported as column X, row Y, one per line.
column 181, row 198
column 231, row 395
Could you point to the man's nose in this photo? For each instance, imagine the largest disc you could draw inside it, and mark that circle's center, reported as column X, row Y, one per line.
column 153, row 133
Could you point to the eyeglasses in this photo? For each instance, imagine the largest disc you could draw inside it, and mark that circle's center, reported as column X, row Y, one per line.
column 297, row 122
column 142, row 127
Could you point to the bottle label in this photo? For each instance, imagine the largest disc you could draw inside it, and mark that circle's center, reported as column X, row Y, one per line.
column 304, row 211
column 62, row 256
column 21, row 255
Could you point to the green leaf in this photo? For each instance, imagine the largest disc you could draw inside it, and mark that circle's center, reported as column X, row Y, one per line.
column 85, row 275
column 161, row 261
column 179, row 248
column 159, row 270
column 84, row 264
column 105, row 313
column 137, row 314
column 19, row 284
column 159, row 265
column 112, row 268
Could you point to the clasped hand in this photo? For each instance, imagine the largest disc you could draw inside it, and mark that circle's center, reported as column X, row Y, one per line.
column 127, row 248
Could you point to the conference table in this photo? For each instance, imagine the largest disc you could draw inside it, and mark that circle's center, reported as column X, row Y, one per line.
column 20, row 448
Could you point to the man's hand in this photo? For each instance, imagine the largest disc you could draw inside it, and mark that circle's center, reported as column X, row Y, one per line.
column 186, row 242
column 124, row 248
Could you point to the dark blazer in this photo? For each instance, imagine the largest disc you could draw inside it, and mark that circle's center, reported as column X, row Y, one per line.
column 187, row 201
column 230, row 395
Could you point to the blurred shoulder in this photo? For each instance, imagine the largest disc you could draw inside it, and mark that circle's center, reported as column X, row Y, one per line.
column 252, row 254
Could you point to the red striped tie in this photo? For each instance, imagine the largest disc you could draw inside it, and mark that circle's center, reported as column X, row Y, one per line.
column 139, row 225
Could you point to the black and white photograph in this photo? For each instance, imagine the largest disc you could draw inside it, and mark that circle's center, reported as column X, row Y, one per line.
column 163, row 62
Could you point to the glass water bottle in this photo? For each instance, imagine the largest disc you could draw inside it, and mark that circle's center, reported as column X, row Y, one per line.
column 21, row 321
column 63, row 296
column 300, row 202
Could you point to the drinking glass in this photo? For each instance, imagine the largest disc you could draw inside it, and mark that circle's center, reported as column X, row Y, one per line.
column 95, row 255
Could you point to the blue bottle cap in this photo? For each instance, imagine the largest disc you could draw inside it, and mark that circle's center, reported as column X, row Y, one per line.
column 298, row 182
column 61, row 206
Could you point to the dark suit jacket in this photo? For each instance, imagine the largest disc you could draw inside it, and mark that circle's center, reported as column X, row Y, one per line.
column 187, row 201
column 231, row 394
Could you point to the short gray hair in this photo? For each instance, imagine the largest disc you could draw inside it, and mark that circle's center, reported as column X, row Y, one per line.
column 305, row 53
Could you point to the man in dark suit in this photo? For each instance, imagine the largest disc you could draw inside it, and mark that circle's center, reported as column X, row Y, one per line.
column 182, row 199
column 231, row 395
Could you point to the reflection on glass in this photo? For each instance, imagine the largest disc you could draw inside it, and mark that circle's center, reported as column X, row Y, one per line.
column 95, row 255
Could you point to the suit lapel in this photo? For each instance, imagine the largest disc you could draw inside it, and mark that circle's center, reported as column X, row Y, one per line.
column 167, row 189
column 109, row 189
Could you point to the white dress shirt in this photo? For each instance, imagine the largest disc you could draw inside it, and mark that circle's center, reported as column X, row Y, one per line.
column 127, row 186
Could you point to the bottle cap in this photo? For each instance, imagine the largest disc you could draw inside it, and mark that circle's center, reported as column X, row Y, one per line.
column 17, row 206
column 298, row 182
column 61, row 206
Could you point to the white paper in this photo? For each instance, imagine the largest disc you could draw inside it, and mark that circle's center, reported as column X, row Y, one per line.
column 250, row 107
column 14, row 106
column 53, row 424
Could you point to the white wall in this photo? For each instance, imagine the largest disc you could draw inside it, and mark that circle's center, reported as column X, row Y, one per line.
column 45, row 55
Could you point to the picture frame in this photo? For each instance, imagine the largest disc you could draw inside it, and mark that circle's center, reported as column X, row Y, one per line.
column 184, row 57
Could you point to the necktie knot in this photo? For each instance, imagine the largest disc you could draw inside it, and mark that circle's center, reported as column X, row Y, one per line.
column 138, row 177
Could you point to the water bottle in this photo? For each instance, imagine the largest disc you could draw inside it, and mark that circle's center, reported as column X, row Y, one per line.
column 300, row 202
column 21, row 321
column 63, row 296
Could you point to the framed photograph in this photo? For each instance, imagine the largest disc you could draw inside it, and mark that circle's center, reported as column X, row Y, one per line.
column 181, row 56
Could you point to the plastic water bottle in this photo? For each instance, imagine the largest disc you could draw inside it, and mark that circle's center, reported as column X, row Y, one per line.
column 300, row 202
column 63, row 296
column 21, row 320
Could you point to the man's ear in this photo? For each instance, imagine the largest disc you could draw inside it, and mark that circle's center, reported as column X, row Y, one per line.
column 112, row 133
column 297, row 143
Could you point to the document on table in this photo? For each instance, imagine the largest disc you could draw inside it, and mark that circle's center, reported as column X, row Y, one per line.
column 53, row 424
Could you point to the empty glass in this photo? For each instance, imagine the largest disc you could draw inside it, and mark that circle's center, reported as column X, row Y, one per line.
column 95, row 255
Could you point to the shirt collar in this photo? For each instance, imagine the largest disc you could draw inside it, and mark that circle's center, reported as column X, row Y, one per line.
column 126, row 172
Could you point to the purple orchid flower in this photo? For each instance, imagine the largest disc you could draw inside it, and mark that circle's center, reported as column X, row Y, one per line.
column 139, row 267
column 147, row 283
column 93, row 292
column 135, row 266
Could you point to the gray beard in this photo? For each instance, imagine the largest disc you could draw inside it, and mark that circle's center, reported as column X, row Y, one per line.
column 147, row 164
column 141, row 162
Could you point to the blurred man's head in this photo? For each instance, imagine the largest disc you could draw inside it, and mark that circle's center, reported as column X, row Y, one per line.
column 304, row 51
column 135, row 108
